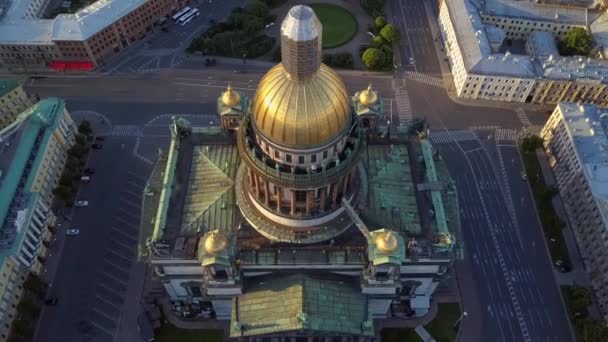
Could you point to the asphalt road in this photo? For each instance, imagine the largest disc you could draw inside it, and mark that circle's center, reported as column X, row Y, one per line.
column 94, row 273
column 509, row 291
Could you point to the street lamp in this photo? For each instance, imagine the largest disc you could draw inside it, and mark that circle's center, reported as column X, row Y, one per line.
column 464, row 314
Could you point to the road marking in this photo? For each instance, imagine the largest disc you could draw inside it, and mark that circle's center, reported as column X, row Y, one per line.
column 108, row 302
column 126, row 131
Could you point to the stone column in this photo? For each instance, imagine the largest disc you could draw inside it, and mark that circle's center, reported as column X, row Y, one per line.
column 256, row 185
column 334, row 193
column 293, row 202
column 279, row 198
column 308, row 199
column 344, row 183
column 322, row 195
column 266, row 193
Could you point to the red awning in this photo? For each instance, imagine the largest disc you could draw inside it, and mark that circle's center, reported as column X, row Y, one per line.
column 71, row 65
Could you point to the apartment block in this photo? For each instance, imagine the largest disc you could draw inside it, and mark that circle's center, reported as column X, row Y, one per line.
column 575, row 139
column 13, row 101
column 32, row 156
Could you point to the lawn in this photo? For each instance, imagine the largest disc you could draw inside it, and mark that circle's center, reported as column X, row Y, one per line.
column 171, row 333
column 441, row 328
column 339, row 25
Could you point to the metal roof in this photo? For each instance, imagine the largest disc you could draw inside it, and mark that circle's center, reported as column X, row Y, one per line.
column 329, row 304
column 7, row 85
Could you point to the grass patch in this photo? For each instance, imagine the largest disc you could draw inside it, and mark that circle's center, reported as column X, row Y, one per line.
column 552, row 225
column 171, row 333
column 339, row 25
column 441, row 328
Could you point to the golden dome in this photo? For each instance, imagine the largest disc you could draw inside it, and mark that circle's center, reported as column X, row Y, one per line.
column 387, row 242
column 368, row 97
column 215, row 243
column 308, row 111
column 230, row 97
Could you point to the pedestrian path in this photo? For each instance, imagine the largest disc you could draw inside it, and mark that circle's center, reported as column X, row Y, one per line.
column 126, row 131
column 424, row 78
column 505, row 135
column 521, row 115
column 402, row 101
column 444, row 137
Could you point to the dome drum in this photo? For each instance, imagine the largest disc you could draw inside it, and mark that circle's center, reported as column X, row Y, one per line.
column 294, row 177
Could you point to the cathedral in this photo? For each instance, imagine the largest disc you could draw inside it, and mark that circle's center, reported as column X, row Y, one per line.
column 304, row 217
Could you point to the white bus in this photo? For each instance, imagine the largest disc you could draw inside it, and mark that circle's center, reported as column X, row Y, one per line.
column 189, row 16
column 180, row 14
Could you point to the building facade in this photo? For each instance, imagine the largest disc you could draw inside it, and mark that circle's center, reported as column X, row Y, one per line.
column 576, row 142
column 92, row 35
column 31, row 160
column 13, row 101
column 477, row 36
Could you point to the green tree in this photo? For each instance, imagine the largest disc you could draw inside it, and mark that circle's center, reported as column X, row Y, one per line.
column 20, row 327
column 577, row 41
column 85, row 128
column 77, row 151
column 380, row 22
column 258, row 9
column 62, row 191
column 373, row 7
column 391, row 33
column 373, row 59
column 80, row 139
column 378, row 42
column 253, row 24
column 34, row 284
column 27, row 308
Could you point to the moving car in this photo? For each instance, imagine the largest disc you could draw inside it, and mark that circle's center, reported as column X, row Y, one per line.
column 412, row 60
column 524, row 176
column 85, row 179
column 97, row 146
column 82, row 203
column 51, row 301
column 72, row 231
column 269, row 25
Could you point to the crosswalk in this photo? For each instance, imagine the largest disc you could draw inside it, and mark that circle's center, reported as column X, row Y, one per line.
column 506, row 135
column 126, row 131
column 152, row 65
column 450, row 136
column 402, row 101
column 424, row 78
column 521, row 115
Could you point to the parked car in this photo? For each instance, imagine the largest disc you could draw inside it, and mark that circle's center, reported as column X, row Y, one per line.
column 89, row 171
column 51, row 301
column 562, row 266
column 72, row 231
column 85, row 179
column 210, row 61
column 100, row 138
column 97, row 146
column 269, row 25
column 524, row 176
column 82, row 203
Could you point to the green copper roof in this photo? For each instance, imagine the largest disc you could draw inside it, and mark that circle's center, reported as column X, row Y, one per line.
column 295, row 303
column 42, row 119
column 431, row 174
column 7, row 85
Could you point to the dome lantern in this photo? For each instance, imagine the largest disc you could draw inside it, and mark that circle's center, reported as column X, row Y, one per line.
column 215, row 243
column 386, row 242
column 368, row 97
column 230, row 97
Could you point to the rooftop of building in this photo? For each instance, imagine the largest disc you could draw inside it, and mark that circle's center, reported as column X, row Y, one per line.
column 197, row 205
column 474, row 40
column 587, row 126
column 65, row 27
column 537, row 11
column 7, row 85
column 20, row 157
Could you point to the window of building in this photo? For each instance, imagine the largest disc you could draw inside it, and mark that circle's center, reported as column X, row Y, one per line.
column 324, row 154
column 313, row 158
column 301, row 159
column 288, row 158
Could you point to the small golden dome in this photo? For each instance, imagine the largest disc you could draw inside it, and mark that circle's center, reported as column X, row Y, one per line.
column 311, row 111
column 215, row 243
column 230, row 97
column 368, row 97
column 387, row 242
